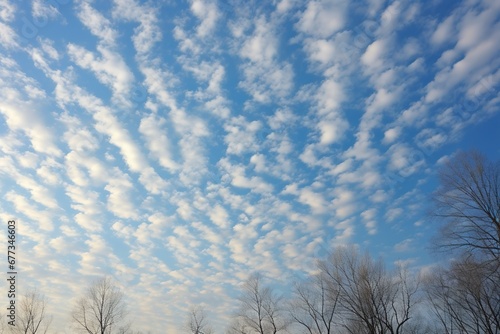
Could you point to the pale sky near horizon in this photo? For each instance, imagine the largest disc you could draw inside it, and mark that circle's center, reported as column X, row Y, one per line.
column 179, row 146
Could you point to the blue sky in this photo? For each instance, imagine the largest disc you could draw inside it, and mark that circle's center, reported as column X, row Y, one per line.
column 179, row 146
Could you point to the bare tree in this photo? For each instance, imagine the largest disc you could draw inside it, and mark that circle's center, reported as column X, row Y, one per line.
column 101, row 310
column 237, row 327
column 31, row 317
column 469, row 201
column 466, row 297
column 197, row 322
column 261, row 311
column 315, row 306
column 372, row 300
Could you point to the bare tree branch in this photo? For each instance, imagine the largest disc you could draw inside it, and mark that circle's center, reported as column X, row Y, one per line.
column 32, row 318
column 261, row 311
column 370, row 299
column 469, row 202
column 315, row 305
column 466, row 296
column 101, row 310
column 197, row 322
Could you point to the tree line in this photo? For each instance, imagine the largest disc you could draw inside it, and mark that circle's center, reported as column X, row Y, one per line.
column 350, row 292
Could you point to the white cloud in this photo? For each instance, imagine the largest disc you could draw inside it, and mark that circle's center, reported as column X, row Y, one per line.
column 211, row 73
column 379, row 196
column 393, row 213
column 321, row 50
column 208, row 13
column 344, row 202
column 390, row 17
column 97, row 24
column 444, row 32
column 478, row 33
column 259, row 160
column 22, row 116
column 265, row 82
column 119, row 200
column 159, row 221
column 364, row 151
column 219, row 217
column 345, row 232
column 74, row 172
column 262, row 45
column 38, row 192
column 374, row 6
column 374, row 56
column 332, row 125
column 391, row 135
column 147, row 33
column 416, row 66
column 88, row 203
column 78, row 137
column 107, row 123
column 7, row 11
column 330, row 96
column 123, row 231
column 38, row 219
column 342, row 167
column 265, row 78
column 240, row 136
column 381, row 100
column 190, row 128
column 431, row 139
column 237, row 175
column 403, row 246
column 212, row 237
column 184, row 246
column 218, row 106
column 28, row 160
column 285, row 5
column 153, row 182
column 184, row 209
column 42, row 9
column 187, row 45
column 415, row 115
column 475, row 26
column 239, row 253
column 49, row 172
column 411, row 49
column 405, row 160
column 396, row 16
column 245, row 231
column 323, row 18
column 282, row 118
column 95, row 168
column 314, row 200
column 92, row 262
column 153, row 129
column 331, row 131
column 110, row 69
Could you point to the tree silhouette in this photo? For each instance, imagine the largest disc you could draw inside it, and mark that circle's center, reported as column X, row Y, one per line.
column 261, row 310
column 101, row 310
column 32, row 318
column 469, row 202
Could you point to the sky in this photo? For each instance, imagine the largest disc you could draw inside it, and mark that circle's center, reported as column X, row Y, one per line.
column 179, row 146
